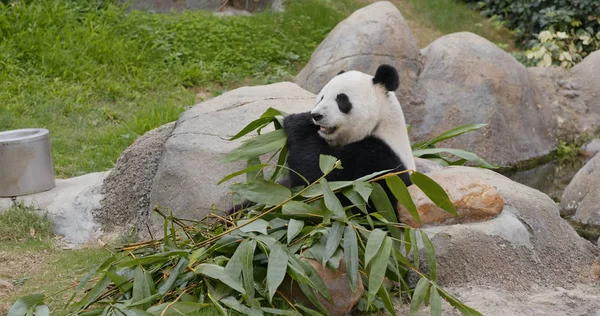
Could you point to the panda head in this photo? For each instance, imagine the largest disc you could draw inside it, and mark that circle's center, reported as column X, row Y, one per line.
column 351, row 105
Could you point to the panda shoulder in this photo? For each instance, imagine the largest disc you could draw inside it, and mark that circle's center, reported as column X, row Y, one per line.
column 299, row 125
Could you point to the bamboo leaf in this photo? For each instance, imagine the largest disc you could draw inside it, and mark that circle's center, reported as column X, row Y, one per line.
column 351, row 254
column 435, row 302
column 294, row 228
column 374, row 244
column 332, row 202
column 142, row 287
column 333, row 241
column 433, row 191
column 255, row 174
column 415, row 247
column 308, row 311
column 418, row 296
column 248, row 247
column 379, row 267
column 364, row 189
column 385, row 209
column 327, row 163
column 24, row 304
column 247, row 170
column 430, row 252
column 263, row 192
column 267, row 117
column 356, row 199
column 467, row 155
column 238, row 307
column 295, row 208
column 400, row 191
column 257, row 146
column 276, row 311
column 257, row 225
column 449, row 134
column 276, row 269
column 317, row 189
column 122, row 283
column 179, row 268
column 217, row 272
column 387, row 300
column 464, row 309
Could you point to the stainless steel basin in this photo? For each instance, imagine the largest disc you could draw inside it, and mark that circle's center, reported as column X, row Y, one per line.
column 25, row 162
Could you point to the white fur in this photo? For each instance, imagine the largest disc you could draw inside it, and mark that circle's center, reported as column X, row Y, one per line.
column 375, row 112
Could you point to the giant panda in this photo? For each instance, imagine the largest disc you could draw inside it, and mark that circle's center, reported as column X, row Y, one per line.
column 357, row 119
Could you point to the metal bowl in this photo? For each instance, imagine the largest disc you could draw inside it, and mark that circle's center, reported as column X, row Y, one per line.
column 25, row 162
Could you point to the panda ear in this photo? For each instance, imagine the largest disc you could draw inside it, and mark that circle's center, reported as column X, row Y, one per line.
column 387, row 76
column 341, row 72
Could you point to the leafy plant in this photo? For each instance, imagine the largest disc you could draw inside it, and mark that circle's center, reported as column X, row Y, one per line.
column 239, row 262
column 558, row 32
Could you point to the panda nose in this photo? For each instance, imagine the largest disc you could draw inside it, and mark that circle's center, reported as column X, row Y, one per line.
column 316, row 116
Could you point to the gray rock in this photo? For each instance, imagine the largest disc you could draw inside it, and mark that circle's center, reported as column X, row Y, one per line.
column 69, row 206
column 427, row 166
column 127, row 189
column 467, row 79
column 191, row 166
column 374, row 35
column 582, row 196
column 592, row 147
column 527, row 245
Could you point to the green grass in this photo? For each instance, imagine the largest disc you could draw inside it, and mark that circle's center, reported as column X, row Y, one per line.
column 21, row 222
column 98, row 77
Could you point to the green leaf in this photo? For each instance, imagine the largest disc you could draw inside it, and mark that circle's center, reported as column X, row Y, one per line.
column 308, row 311
column 257, row 225
column 418, row 296
column 122, row 283
column 430, row 252
column 255, row 174
column 435, row 302
column 216, row 304
column 379, row 267
column 331, row 202
column 364, row 189
column 142, row 286
column 294, row 228
column 356, row 199
column 351, row 254
column 217, row 272
column 333, row 241
column 22, row 305
column 400, row 191
column 433, row 191
column 276, row 269
column 449, row 134
column 327, row 163
column 317, row 189
column 93, row 294
column 295, row 208
column 415, row 247
column 173, row 276
column 263, row 192
column 264, row 119
column 464, row 309
column 257, row 146
column 387, row 300
column 247, row 170
column 177, row 309
column 384, row 208
column 374, row 244
column 42, row 310
column 238, row 307
column 284, row 312
column 469, row 156
column 152, row 259
column 248, row 247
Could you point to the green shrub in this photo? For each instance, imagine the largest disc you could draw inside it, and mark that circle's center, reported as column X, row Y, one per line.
column 558, row 32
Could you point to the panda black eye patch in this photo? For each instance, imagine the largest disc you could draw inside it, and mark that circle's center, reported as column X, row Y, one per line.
column 343, row 103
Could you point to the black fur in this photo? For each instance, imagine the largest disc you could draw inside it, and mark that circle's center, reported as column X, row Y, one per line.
column 358, row 159
column 344, row 103
column 341, row 72
column 387, row 76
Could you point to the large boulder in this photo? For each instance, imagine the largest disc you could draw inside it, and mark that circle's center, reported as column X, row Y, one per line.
column 467, row 79
column 374, row 35
column 527, row 245
column 581, row 199
column 126, row 190
column 191, row 166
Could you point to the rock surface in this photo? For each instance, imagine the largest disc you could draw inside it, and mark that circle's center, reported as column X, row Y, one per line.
column 374, row 35
column 191, row 167
column 593, row 147
column 474, row 201
column 581, row 199
column 467, row 79
column 527, row 245
column 69, row 206
column 127, row 188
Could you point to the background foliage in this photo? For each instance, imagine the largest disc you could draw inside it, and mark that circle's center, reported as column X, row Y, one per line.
column 557, row 32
